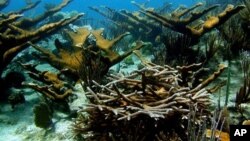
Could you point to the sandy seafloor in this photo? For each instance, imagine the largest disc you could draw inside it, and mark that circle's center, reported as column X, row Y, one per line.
column 17, row 124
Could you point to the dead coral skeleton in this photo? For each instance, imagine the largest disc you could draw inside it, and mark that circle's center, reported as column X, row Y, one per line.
column 154, row 92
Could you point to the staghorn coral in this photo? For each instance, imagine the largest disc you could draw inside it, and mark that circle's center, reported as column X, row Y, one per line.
column 144, row 104
column 222, row 136
column 29, row 5
column 17, row 31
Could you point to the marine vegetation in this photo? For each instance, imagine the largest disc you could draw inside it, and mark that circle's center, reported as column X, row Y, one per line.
column 243, row 95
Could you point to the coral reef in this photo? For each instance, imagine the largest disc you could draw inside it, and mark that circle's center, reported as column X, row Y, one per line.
column 177, row 23
column 176, row 32
column 143, row 103
column 179, row 20
column 139, row 26
column 89, row 49
column 236, row 37
column 54, row 86
column 16, row 33
column 154, row 102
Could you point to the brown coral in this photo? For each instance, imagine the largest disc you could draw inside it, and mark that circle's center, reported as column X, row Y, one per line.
column 135, row 23
column 53, row 86
column 148, row 99
column 181, row 20
column 182, row 25
column 14, row 35
column 83, row 52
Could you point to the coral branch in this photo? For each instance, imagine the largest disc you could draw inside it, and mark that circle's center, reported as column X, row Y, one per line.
column 97, row 56
column 30, row 5
column 148, row 21
column 153, row 95
column 48, row 92
column 27, row 22
column 16, row 33
column 10, row 48
column 53, row 86
column 10, row 19
column 182, row 25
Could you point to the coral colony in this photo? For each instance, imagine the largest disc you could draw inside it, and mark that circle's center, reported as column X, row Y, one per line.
column 155, row 74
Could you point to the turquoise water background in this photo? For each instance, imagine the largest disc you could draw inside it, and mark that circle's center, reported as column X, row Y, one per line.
column 82, row 5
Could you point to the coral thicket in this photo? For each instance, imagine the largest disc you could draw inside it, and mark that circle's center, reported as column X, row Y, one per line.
column 166, row 95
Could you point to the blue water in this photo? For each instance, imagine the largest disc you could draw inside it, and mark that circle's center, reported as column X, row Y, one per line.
column 82, row 5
